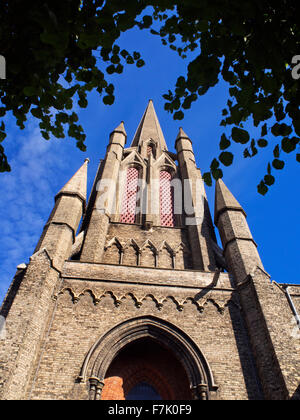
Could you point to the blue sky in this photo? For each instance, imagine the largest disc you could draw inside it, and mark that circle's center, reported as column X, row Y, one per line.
column 41, row 168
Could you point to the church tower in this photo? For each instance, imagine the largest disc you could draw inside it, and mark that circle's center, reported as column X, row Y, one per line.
column 139, row 301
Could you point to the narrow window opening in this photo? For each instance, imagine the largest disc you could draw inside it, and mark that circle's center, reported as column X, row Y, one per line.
column 167, row 217
column 128, row 211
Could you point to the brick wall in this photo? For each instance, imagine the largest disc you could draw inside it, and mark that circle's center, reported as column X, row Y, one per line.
column 165, row 243
column 86, row 310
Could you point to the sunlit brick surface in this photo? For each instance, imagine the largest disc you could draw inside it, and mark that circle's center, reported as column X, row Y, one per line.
column 166, row 200
column 129, row 196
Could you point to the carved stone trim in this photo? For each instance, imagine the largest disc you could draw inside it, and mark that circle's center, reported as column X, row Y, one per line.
column 103, row 352
column 159, row 301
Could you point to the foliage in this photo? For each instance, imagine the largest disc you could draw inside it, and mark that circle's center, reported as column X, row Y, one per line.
column 250, row 45
column 70, row 48
column 55, row 51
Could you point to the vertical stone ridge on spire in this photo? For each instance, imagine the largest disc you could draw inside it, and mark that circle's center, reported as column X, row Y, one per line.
column 149, row 128
column 77, row 185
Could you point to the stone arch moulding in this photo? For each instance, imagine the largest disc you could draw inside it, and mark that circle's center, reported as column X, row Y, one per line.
column 104, row 351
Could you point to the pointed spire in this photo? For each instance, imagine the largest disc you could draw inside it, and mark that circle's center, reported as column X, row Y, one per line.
column 182, row 135
column 224, row 200
column 120, row 129
column 77, row 185
column 149, row 128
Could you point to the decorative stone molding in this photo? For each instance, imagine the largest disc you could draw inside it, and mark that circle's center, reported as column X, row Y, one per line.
column 103, row 352
column 159, row 301
column 96, row 387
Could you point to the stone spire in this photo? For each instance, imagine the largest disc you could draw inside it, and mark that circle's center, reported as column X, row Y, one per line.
column 149, row 128
column 182, row 135
column 240, row 249
column 120, row 129
column 224, row 200
column 77, row 185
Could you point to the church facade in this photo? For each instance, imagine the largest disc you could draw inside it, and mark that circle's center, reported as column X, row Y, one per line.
column 140, row 302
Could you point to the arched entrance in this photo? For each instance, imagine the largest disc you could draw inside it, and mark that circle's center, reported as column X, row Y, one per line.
column 146, row 370
column 147, row 356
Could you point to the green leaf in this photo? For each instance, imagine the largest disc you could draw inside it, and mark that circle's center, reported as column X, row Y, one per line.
column 147, row 21
column 214, row 165
column 276, row 151
column 262, row 143
column 45, row 135
column 224, row 143
column 246, row 153
column 83, row 103
column 262, row 188
column 207, row 179
column 253, row 148
column 109, row 99
column 239, row 135
column 296, row 124
column 2, row 136
column 30, row 91
column 129, row 60
column 289, row 145
column 278, row 164
column 269, row 180
column 217, row 174
column 140, row 63
column 179, row 115
column 298, row 157
column 264, row 130
column 136, row 55
column 115, row 59
column 110, row 69
column 224, row 112
column 281, row 129
column 124, row 53
column 226, row 158
column 37, row 112
column 269, row 169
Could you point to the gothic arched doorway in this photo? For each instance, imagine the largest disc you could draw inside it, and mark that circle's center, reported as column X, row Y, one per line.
column 146, row 370
column 147, row 356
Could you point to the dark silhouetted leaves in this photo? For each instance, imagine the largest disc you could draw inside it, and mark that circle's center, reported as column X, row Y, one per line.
column 217, row 174
column 278, row 164
column 239, row 135
column 224, row 143
column 269, row 180
column 264, row 130
column 262, row 143
column 56, row 49
column 178, row 115
column 281, row 129
column 226, row 158
column 262, row 188
column 207, row 179
column 289, row 145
